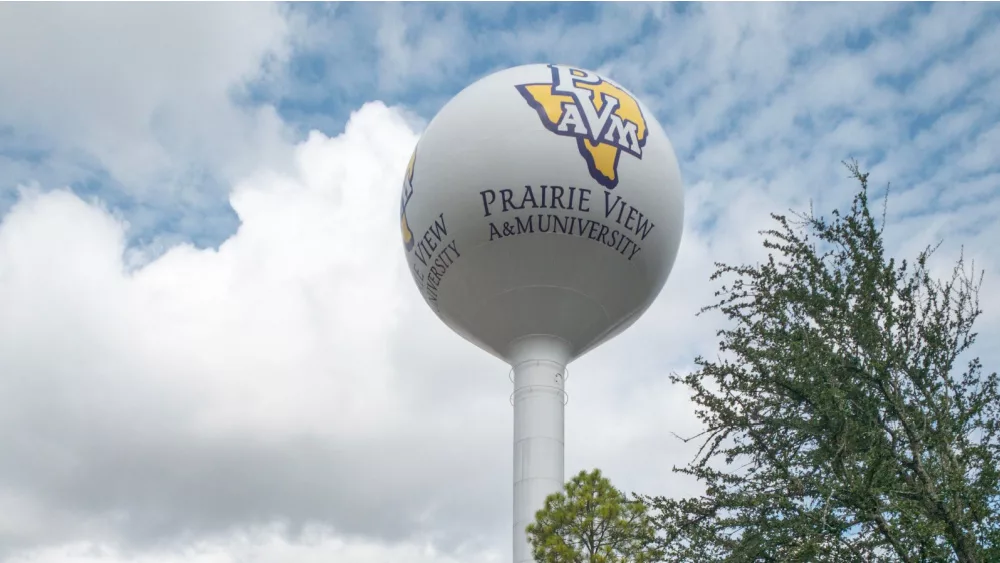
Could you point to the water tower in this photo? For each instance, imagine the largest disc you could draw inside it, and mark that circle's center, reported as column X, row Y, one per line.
column 541, row 214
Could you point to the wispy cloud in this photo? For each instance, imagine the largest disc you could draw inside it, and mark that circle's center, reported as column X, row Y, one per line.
column 170, row 398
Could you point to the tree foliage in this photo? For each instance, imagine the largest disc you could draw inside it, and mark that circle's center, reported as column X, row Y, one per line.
column 839, row 423
column 592, row 522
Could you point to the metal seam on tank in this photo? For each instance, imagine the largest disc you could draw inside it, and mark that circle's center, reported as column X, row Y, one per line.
column 577, row 351
column 631, row 265
column 526, row 336
column 548, row 286
column 537, row 334
column 570, row 289
column 636, row 312
column 560, row 442
column 528, row 479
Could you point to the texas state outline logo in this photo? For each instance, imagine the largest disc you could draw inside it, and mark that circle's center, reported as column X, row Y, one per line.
column 408, row 238
column 603, row 118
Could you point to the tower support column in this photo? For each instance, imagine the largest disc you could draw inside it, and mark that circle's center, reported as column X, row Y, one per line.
column 539, row 399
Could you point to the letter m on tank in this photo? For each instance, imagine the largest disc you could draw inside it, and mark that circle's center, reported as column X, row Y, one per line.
column 603, row 119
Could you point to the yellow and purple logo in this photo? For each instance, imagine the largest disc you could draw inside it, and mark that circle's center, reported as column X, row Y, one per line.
column 408, row 238
column 603, row 118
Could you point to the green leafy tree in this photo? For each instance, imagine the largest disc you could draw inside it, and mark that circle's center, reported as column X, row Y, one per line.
column 592, row 522
column 840, row 425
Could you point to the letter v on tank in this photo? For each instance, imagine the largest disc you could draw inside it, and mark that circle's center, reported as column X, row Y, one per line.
column 433, row 237
column 634, row 220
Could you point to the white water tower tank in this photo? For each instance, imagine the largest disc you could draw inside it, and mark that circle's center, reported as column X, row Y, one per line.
column 541, row 213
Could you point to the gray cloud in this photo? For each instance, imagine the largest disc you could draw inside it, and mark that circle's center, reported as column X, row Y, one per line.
column 287, row 396
column 146, row 100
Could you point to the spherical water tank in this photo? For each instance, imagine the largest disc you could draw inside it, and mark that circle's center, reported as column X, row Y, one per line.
column 541, row 200
column 541, row 214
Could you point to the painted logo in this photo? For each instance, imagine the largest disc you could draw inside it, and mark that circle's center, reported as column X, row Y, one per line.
column 408, row 238
column 604, row 119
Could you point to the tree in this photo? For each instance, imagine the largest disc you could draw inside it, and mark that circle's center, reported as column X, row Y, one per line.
column 839, row 425
column 592, row 522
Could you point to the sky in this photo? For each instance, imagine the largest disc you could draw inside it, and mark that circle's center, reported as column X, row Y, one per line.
column 210, row 348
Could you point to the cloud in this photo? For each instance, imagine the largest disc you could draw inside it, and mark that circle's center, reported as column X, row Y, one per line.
column 146, row 100
column 275, row 389
column 292, row 375
column 265, row 545
column 212, row 387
